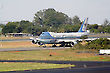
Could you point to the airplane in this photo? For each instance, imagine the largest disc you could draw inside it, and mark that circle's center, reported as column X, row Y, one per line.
column 62, row 38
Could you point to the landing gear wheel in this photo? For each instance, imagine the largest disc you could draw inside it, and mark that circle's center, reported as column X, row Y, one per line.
column 54, row 45
column 40, row 43
column 62, row 45
column 34, row 42
column 71, row 44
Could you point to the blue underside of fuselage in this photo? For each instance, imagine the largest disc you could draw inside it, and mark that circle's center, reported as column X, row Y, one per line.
column 48, row 41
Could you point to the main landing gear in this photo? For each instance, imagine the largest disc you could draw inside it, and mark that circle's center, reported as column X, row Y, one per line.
column 68, row 44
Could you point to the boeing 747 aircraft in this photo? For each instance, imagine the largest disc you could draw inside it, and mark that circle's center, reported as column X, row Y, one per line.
column 62, row 38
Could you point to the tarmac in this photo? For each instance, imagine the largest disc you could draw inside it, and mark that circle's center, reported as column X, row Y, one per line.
column 81, row 67
column 32, row 48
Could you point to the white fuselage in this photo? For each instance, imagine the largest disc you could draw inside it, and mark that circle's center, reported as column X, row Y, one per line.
column 68, row 35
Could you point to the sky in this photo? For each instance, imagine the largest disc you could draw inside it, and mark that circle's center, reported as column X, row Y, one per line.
column 16, row 10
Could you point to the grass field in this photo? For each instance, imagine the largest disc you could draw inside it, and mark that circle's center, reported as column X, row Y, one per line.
column 17, row 44
column 10, row 66
column 64, row 54
column 11, row 38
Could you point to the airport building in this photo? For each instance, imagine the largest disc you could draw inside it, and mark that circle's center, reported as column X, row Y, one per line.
column 17, row 34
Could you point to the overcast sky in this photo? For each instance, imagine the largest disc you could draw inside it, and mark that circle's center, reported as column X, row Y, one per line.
column 17, row 10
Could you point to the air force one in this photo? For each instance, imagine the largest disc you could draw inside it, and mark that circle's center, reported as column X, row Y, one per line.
column 62, row 38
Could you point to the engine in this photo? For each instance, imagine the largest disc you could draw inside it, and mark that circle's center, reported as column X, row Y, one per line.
column 34, row 41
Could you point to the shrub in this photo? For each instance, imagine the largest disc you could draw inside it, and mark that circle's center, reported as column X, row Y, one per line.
column 102, row 43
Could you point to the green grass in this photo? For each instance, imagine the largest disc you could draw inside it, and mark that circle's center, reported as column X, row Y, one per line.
column 65, row 55
column 11, row 66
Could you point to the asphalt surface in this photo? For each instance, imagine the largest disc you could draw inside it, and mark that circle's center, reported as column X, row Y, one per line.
column 81, row 67
column 81, row 70
column 28, row 49
column 12, row 40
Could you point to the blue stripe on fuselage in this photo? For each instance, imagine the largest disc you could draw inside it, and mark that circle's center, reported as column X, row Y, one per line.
column 46, row 35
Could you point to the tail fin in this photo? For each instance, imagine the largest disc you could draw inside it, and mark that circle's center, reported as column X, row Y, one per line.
column 83, row 26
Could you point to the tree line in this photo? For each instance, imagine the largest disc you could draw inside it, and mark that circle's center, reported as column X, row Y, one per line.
column 52, row 21
column 102, row 43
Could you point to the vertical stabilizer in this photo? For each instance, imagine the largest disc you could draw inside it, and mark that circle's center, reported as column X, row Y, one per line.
column 83, row 26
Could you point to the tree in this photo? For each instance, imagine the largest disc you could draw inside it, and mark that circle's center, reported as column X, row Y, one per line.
column 76, row 20
column 2, row 25
column 106, row 22
column 25, row 26
column 50, row 17
column 100, row 29
column 51, row 20
column 93, row 28
column 39, row 18
column 107, row 29
column 102, row 43
column 18, row 27
column 76, row 27
column 11, row 27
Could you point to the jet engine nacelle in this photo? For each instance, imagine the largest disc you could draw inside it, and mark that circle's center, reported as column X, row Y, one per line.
column 75, row 42
column 40, row 43
column 72, row 43
column 34, row 41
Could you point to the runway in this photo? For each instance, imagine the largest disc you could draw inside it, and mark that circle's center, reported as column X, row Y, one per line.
column 80, row 70
column 81, row 67
column 32, row 48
